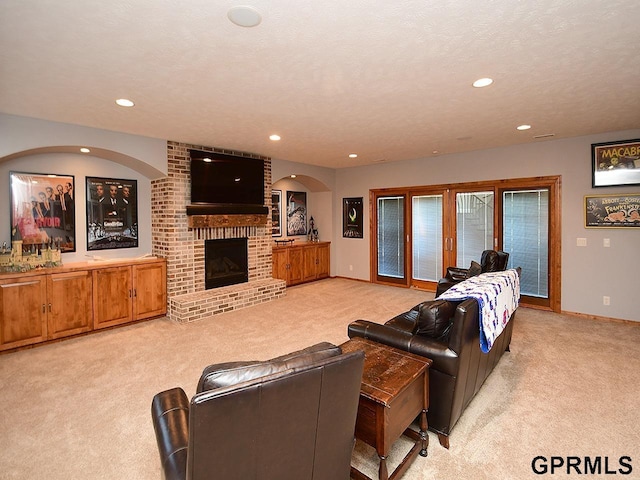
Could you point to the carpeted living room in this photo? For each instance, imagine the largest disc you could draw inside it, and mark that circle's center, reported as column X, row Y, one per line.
column 260, row 241
column 81, row 408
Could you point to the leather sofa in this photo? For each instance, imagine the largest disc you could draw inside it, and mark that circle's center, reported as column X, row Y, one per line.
column 447, row 332
column 490, row 261
column 288, row 417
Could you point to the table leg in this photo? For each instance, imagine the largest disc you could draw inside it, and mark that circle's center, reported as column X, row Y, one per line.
column 383, row 474
column 423, row 433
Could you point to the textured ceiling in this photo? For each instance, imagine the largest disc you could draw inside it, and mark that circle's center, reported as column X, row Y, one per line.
column 386, row 80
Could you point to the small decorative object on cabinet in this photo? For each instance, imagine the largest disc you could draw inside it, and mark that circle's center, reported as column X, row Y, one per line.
column 303, row 262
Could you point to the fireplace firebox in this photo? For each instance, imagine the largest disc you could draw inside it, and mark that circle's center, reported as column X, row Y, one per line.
column 226, row 262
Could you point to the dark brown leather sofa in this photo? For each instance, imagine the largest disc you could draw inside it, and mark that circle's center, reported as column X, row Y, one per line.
column 448, row 333
column 490, row 261
column 289, row 417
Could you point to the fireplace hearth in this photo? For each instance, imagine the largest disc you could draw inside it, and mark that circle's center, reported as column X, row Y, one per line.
column 226, row 262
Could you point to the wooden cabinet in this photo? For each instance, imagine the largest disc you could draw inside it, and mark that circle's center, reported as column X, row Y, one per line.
column 44, row 307
column 149, row 290
column 23, row 316
column 113, row 301
column 301, row 263
column 69, row 307
column 129, row 293
column 60, row 302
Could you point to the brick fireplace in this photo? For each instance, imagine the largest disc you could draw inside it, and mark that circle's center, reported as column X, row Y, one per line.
column 184, row 246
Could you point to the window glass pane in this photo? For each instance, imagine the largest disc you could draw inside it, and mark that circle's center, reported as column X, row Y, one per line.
column 391, row 236
column 474, row 217
column 427, row 237
column 526, row 238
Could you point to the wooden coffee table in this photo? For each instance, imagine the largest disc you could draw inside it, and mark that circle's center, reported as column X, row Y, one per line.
column 394, row 391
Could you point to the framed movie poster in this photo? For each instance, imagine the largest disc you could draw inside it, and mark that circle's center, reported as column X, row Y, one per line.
column 43, row 210
column 615, row 163
column 276, row 209
column 352, row 217
column 296, row 213
column 612, row 211
column 112, row 213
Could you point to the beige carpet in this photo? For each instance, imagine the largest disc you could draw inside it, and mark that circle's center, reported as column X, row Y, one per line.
column 80, row 409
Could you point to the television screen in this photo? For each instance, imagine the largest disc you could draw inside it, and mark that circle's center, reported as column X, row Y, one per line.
column 225, row 179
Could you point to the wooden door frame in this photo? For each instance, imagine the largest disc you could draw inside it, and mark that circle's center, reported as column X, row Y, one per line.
column 552, row 183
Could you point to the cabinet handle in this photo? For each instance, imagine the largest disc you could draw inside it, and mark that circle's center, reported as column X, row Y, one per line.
column 135, row 292
column 49, row 308
column 44, row 308
column 129, row 293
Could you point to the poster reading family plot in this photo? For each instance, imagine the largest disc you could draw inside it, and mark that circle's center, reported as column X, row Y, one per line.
column 112, row 213
column 43, row 210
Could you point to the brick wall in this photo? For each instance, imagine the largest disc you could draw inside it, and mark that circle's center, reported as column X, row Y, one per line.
column 183, row 247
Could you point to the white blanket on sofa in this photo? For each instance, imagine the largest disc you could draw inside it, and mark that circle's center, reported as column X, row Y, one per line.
column 497, row 293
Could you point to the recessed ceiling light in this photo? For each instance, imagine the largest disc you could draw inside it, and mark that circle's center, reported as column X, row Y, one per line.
column 483, row 82
column 436, row 152
column 274, row 137
column 524, row 127
column 85, row 150
column 125, row 102
column 207, row 159
column 293, row 175
column 244, row 16
column 353, row 155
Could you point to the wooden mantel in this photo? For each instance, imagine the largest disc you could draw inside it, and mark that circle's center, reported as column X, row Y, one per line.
column 230, row 220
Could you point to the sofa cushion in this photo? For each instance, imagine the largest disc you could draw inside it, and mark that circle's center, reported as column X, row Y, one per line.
column 230, row 373
column 474, row 269
column 435, row 318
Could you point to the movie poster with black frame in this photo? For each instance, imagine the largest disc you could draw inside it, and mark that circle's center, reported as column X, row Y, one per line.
column 296, row 213
column 112, row 213
column 615, row 163
column 352, row 211
column 43, row 211
column 276, row 213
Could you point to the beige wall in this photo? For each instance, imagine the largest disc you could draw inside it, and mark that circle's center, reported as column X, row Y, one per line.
column 588, row 273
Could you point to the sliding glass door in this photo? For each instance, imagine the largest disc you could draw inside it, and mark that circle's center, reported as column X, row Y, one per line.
column 390, row 235
column 525, row 235
column 426, row 235
column 420, row 231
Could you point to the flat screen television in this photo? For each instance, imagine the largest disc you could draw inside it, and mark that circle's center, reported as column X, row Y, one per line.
column 226, row 184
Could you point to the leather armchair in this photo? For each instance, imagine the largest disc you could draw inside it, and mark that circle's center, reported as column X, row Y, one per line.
column 289, row 417
column 490, row 261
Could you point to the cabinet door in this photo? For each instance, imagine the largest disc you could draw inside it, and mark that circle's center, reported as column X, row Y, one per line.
column 322, row 258
column 69, row 308
column 112, row 296
column 310, row 261
column 296, row 266
column 23, row 317
column 149, row 290
column 280, row 260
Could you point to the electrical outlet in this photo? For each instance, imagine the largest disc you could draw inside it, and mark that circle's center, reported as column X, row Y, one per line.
column 606, row 300
column 581, row 242
column 606, row 243
column 351, row 268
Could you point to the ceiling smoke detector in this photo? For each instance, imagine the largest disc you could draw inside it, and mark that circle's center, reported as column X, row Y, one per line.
column 244, row 16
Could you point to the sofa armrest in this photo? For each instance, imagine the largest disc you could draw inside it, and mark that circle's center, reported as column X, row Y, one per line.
column 457, row 274
column 384, row 334
column 170, row 415
column 444, row 359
